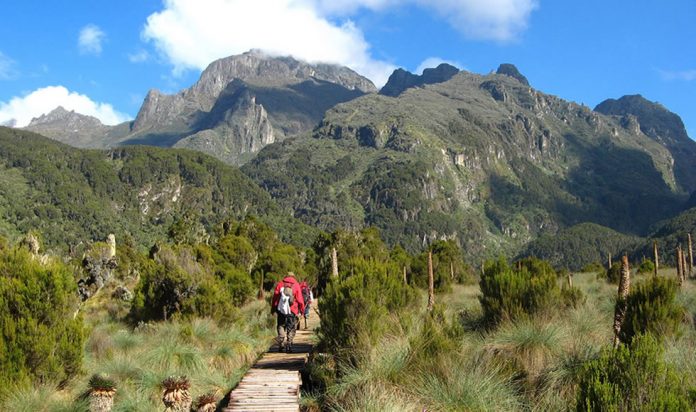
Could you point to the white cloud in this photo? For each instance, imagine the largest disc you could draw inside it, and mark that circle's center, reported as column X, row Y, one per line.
column 499, row 20
column 90, row 39
column 7, row 71
column 432, row 62
column 42, row 101
column 684, row 75
column 192, row 33
column 139, row 56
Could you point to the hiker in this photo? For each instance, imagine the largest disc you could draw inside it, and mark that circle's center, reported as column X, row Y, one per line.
column 288, row 304
column 308, row 297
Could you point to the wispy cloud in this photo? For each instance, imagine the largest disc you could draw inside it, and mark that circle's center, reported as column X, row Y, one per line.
column 21, row 109
column 684, row 75
column 90, row 40
column 498, row 20
column 7, row 68
column 139, row 56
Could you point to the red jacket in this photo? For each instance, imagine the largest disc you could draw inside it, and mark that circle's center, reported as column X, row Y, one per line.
column 298, row 305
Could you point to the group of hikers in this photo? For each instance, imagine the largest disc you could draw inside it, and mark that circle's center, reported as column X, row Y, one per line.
column 291, row 299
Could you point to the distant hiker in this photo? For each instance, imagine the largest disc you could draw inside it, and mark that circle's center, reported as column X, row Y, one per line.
column 308, row 297
column 288, row 303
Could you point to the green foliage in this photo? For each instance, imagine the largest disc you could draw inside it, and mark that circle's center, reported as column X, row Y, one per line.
column 74, row 196
column 652, row 307
column 448, row 266
column 646, row 266
column 41, row 338
column 509, row 293
column 572, row 297
column 580, row 245
column 632, row 378
column 613, row 274
column 354, row 308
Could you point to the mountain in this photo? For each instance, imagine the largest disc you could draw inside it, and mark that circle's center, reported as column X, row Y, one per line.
column 71, row 195
column 239, row 104
column 661, row 125
column 401, row 79
column 485, row 160
column 76, row 129
column 242, row 103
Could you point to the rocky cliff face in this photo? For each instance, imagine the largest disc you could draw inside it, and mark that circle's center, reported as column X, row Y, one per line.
column 401, row 79
column 289, row 97
column 245, row 129
column 160, row 111
column 666, row 128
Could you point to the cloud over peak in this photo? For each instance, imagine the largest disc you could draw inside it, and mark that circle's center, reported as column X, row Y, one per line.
column 20, row 110
column 192, row 33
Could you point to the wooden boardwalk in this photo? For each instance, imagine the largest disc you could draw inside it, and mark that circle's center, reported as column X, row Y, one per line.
column 273, row 383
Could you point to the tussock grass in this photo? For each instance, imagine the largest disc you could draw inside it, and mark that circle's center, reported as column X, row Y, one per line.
column 213, row 356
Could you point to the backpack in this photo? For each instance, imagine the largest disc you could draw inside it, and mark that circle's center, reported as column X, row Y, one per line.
column 305, row 294
column 286, row 300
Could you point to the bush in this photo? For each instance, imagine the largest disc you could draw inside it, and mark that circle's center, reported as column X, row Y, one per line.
column 632, row 378
column 448, row 266
column 652, row 308
column 647, row 266
column 40, row 337
column 185, row 282
column 355, row 308
column 613, row 274
column 513, row 294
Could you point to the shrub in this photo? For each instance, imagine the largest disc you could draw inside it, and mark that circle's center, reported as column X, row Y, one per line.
column 652, row 308
column 572, row 297
column 515, row 293
column 613, row 274
column 448, row 266
column 40, row 337
column 356, row 307
column 647, row 266
column 632, row 378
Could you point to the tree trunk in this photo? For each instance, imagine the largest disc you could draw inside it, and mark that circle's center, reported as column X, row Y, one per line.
column 655, row 256
column 451, row 271
column 431, row 282
column 334, row 263
column 620, row 309
column 609, row 261
column 570, row 280
column 405, row 278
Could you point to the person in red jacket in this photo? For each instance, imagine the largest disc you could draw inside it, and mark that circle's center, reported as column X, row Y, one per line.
column 288, row 304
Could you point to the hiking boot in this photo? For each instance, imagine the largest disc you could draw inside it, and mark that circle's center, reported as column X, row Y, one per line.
column 288, row 348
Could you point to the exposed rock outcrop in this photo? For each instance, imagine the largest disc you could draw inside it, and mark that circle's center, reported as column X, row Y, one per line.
column 400, row 79
column 511, row 70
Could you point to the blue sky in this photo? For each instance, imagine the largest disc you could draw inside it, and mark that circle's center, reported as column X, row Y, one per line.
column 101, row 58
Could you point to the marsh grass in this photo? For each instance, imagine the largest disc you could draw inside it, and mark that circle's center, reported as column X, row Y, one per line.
column 213, row 356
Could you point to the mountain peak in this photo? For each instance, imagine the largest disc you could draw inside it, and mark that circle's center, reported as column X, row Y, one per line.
column 60, row 116
column 512, row 71
column 401, row 79
column 655, row 120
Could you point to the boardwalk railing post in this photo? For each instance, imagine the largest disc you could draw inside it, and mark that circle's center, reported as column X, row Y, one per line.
column 431, row 282
column 620, row 309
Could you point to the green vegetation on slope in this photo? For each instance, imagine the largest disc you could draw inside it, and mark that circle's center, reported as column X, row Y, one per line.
column 74, row 196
